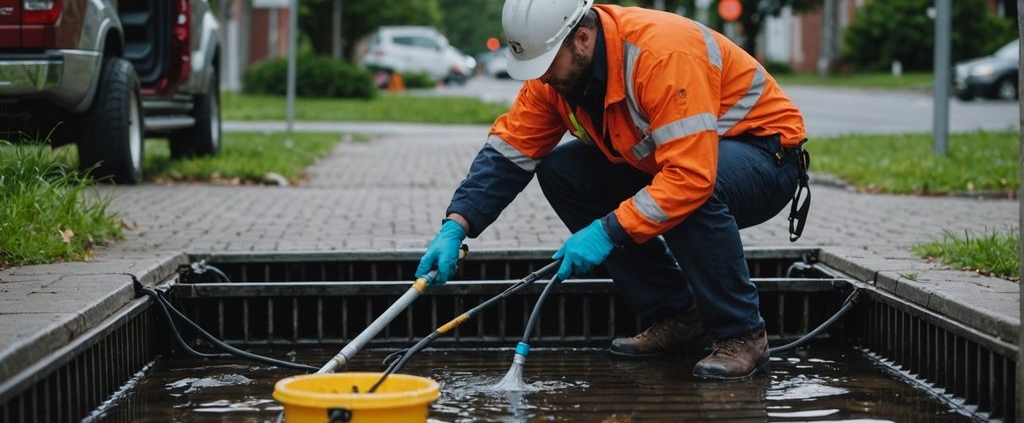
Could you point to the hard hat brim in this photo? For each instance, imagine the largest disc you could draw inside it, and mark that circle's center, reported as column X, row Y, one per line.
column 531, row 68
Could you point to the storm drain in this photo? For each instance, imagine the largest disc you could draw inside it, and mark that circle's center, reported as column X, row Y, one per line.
column 326, row 299
column 316, row 300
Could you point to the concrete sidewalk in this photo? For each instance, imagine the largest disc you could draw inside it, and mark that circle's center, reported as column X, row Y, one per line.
column 390, row 194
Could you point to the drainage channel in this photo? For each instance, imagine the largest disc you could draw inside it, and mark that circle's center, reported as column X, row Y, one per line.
column 306, row 305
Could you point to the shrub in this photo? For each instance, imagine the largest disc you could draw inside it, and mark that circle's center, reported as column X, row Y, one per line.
column 418, row 80
column 776, row 67
column 887, row 30
column 316, row 76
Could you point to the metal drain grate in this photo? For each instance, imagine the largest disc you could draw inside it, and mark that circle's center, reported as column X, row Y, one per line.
column 68, row 384
column 578, row 313
column 963, row 364
column 329, row 298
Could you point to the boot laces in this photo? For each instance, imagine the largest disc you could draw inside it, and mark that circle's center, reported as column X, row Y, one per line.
column 730, row 346
column 660, row 327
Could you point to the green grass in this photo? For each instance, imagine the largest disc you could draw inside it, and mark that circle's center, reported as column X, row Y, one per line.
column 978, row 162
column 859, row 80
column 46, row 215
column 244, row 158
column 386, row 107
column 991, row 253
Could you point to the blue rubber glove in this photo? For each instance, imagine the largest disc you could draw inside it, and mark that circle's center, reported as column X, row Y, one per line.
column 443, row 253
column 583, row 250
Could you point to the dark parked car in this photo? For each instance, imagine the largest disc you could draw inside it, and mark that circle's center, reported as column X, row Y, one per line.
column 992, row 76
column 103, row 74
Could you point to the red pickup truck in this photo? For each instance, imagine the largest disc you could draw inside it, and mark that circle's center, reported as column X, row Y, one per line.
column 106, row 74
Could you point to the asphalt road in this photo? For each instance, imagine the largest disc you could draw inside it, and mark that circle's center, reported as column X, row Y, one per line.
column 829, row 111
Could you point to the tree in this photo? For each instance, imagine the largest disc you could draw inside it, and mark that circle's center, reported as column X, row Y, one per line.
column 361, row 17
column 887, row 30
column 469, row 23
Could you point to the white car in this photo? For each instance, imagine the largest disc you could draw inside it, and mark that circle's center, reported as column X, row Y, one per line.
column 461, row 66
column 497, row 63
column 406, row 49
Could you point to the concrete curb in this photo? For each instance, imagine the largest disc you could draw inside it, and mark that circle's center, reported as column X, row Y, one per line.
column 84, row 294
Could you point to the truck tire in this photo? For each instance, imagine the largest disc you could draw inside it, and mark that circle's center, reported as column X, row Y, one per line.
column 203, row 138
column 1006, row 88
column 111, row 143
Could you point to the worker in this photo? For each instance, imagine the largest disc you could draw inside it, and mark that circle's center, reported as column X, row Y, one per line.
column 679, row 140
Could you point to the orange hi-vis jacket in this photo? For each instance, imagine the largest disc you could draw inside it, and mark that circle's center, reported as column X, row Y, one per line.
column 674, row 88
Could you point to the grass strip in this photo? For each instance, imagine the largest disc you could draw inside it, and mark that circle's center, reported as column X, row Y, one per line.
column 245, row 158
column 884, row 81
column 387, row 107
column 47, row 215
column 978, row 163
column 991, row 253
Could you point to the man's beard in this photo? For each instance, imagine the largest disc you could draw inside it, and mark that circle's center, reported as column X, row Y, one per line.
column 579, row 66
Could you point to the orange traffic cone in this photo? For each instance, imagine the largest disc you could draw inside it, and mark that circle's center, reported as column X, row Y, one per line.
column 396, row 84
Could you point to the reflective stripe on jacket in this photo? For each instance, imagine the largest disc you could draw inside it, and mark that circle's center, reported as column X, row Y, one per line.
column 674, row 89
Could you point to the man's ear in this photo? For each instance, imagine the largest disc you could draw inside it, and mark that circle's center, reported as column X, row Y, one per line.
column 584, row 38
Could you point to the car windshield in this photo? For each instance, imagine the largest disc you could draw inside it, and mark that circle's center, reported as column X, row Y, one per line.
column 1009, row 51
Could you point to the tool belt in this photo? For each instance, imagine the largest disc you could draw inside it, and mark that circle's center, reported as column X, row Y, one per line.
column 801, row 203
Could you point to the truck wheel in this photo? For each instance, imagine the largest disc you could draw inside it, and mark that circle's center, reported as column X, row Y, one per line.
column 111, row 143
column 203, row 138
column 1006, row 88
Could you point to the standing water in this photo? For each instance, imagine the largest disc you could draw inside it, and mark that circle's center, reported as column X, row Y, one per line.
column 821, row 384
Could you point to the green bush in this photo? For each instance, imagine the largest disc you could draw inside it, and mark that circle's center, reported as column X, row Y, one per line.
column 418, row 80
column 887, row 30
column 316, row 76
column 775, row 67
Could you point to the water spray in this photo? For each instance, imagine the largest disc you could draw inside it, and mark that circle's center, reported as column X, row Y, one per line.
column 513, row 380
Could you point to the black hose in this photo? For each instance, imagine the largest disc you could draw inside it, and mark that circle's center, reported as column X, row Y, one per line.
column 847, row 305
column 220, row 273
column 535, row 314
column 220, row 344
column 174, row 328
column 397, row 364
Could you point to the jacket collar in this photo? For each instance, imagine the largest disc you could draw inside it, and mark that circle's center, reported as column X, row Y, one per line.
column 613, row 66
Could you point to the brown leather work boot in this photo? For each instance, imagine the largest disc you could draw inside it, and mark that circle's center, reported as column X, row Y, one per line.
column 740, row 357
column 675, row 333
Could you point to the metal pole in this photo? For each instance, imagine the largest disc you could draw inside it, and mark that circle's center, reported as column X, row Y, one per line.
column 940, row 121
column 293, row 29
column 336, row 30
column 829, row 30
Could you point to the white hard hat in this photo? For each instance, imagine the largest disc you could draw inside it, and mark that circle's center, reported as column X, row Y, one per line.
column 535, row 29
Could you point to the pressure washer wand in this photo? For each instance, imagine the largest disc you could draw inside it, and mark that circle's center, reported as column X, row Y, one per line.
column 398, row 363
column 513, row 380
column 383, row 320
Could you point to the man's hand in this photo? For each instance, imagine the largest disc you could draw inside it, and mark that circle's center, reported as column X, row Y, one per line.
column 443, row 252
column 583, row 250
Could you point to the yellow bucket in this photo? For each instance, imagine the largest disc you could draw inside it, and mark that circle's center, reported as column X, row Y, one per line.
column 400, row 399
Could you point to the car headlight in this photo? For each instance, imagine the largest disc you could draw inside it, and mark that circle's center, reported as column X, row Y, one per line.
column 983, row 71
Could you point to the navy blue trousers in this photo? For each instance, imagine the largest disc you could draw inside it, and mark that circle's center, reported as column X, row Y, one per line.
column 701, row 259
